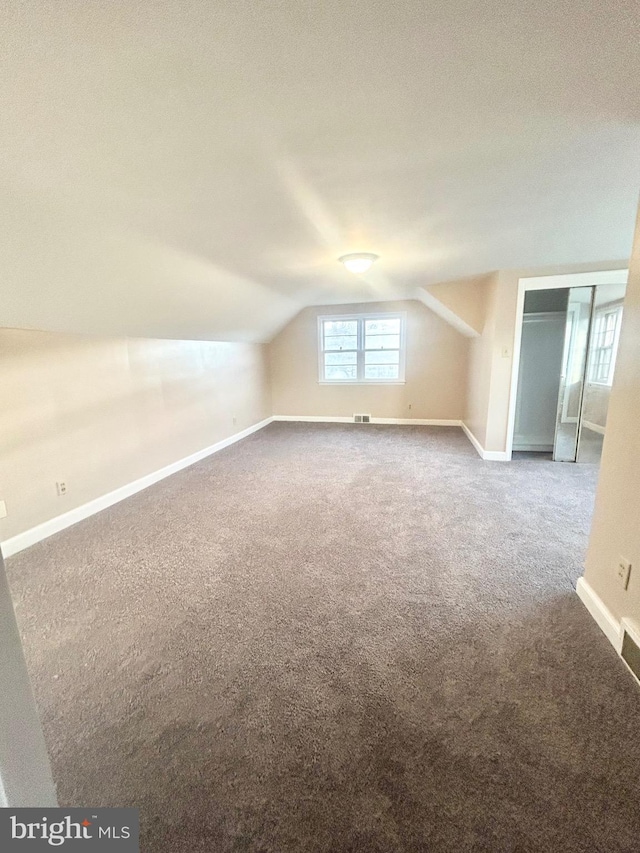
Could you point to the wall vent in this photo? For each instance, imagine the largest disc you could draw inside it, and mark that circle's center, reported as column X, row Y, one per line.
column 630, row 652
column 362, row 419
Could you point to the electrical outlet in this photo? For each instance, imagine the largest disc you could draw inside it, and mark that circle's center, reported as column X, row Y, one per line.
column 235, row 420
column 61, row 488
column 623, row 572
column 409, row 406
column 3, row 509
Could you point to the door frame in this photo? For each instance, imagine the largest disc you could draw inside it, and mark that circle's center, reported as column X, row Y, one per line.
column 547, row 282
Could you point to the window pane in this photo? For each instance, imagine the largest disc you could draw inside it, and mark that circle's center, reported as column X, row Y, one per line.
column 340, row 327
column 336, row 342
column 338, row 372
column 381, row 371
column 384, row 325
column 391, row 356
column 379, row 337
column 379, row 341
column 341, row 358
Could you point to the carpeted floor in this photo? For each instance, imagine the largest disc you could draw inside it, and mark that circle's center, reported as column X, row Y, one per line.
column 337, row 638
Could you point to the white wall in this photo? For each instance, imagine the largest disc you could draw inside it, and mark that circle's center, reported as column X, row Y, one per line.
column 99, row 413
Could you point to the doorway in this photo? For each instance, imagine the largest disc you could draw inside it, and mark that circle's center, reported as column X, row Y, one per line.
column 541, row 348
column 565, row 365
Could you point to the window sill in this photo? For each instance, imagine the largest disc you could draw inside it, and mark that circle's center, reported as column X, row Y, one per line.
column 366, row 382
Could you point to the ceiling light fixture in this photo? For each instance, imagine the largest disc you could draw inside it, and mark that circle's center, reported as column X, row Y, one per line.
column 358, row 262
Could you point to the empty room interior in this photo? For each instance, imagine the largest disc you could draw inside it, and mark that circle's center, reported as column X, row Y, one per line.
column 319, row 406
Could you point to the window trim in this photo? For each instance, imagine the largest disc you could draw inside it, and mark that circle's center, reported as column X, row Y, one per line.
column 599, row 312
column 361, row 318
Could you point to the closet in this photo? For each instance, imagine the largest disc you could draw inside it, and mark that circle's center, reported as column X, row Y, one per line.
column 567, row 362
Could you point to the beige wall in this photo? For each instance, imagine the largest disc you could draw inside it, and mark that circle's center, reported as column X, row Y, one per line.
column 465, row 297
column 476, row 415
column 616, row 524
column 503, row 325
column 436, row 368
column 99, row 413
column 491, row 358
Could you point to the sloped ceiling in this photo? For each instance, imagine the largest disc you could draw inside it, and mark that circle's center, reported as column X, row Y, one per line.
column 190, row 169
column 461, row 303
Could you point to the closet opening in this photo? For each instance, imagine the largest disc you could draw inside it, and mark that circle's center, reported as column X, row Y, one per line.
column 566, row 356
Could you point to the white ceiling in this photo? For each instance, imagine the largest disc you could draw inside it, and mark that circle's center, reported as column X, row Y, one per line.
column 193, row 169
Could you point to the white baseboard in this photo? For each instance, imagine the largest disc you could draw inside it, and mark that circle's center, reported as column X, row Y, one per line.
column 312, row 419
column 607, row 622
column 419, row 421
column 60, row 522
column 322, row 419
column 479, row 448
column 593, row 427
column 487, row 455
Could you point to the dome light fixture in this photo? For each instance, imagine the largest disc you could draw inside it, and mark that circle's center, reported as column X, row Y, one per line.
column 358, row 262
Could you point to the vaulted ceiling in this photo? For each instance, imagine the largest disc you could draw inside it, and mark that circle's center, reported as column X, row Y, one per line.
column 193, row 169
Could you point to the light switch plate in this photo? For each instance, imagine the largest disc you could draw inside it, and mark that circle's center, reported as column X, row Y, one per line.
column 3, row 509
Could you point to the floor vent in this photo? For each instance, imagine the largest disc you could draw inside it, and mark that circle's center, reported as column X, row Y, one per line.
column 362, row 419
column 630, row 653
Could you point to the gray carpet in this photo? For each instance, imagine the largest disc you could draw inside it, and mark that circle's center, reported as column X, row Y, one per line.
column 337, row 638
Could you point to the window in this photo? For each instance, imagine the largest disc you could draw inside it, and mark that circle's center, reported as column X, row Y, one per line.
column 359, row 348
column 605, row 344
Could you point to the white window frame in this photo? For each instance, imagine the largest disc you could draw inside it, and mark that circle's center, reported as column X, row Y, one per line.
column 599, row 313
column 361, row 318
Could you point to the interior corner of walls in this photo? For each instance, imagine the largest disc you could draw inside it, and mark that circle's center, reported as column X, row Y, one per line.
column 486, row 455
column 281, row 327
column 474, row 441
column 608, row 623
